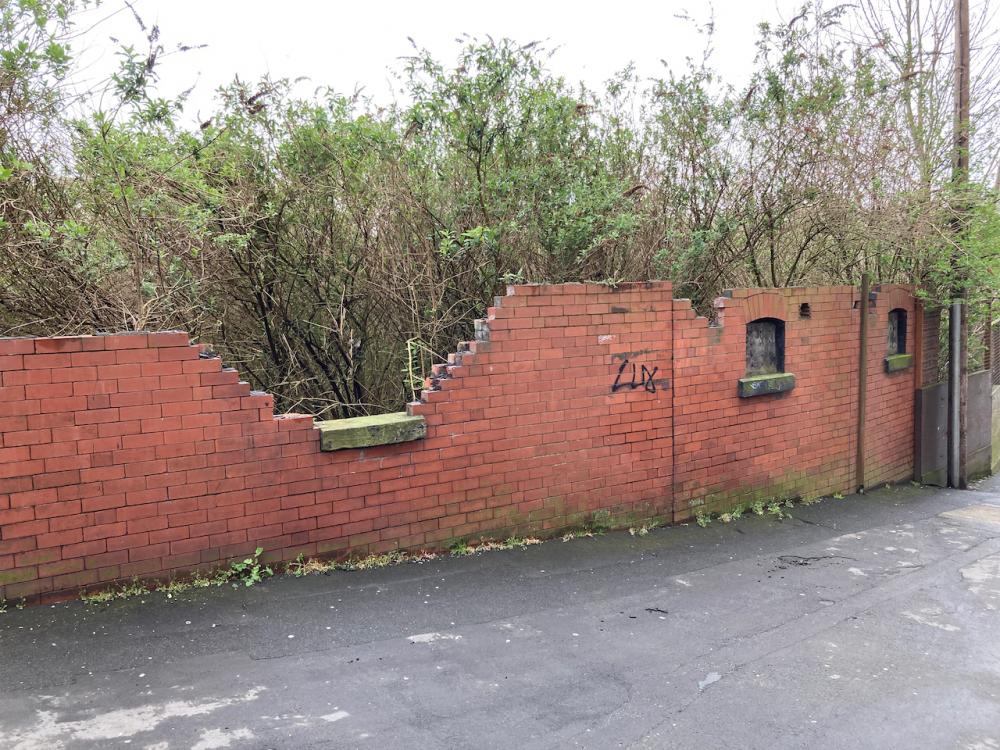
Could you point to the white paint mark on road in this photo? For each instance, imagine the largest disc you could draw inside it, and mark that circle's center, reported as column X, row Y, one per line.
column 213, row 739
column 335, row 716
column 710, row 678
column 50, row 732
column 986, row 743
column 432, row 637
column 925, row 618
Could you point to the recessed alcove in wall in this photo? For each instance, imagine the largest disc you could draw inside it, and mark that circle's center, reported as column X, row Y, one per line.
column 765, row 359
column 897, row 358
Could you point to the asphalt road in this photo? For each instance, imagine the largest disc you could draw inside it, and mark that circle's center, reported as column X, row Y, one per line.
column 868, row 622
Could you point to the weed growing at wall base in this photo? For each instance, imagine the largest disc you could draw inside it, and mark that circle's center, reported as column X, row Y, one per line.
column 463, row 548
column 776, row 508
column 248, row 571
column 571, row 535
column 124, row 591
column 251, row 571
column 600, row 522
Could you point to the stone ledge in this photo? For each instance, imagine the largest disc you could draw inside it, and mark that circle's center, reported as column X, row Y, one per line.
column 763, row 385
column 364, row 432
column 897, row 362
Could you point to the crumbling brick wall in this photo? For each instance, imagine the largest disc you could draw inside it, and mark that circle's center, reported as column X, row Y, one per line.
column 142, row 455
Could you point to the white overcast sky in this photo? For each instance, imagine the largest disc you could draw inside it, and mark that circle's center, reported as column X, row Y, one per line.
column 344, row 45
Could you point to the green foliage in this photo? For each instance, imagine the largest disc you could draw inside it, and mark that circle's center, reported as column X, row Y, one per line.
column 419, row 359
column 394, row 557
column 642, row 530
column 600, row 522
column 297, row 568
column 460, row 548
column 776, row 510
column 124, row 591
column 336, row 249
column 248, row 571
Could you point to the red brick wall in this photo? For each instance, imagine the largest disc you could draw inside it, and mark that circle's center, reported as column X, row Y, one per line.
column 799, row 443
column 889, row 411
column 138, row 455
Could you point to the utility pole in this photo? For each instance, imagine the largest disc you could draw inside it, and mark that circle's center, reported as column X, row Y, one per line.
column 859, row 461
column 958, row 317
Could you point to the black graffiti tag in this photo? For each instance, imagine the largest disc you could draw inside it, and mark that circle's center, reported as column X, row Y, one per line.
column 645, row 378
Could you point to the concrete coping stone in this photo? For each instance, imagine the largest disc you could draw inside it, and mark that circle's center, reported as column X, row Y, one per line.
column 365, row 432
column 764, row 385
column 898, row 362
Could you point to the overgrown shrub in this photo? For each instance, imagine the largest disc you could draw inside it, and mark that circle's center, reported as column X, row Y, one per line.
column 334, row 249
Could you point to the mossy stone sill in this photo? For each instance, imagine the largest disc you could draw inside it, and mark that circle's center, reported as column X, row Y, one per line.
column 365, row 432
column 763, row 385
column 898, row 362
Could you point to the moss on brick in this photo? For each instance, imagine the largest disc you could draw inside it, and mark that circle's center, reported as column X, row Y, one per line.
column 897, row 362
column 18, row 575
column 364, row 432
column 791, row 485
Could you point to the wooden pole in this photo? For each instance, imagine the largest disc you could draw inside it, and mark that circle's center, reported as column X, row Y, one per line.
column 990, row 356
column 918, row 344
column 859, row 477
column 918, row 383
column 958, row 320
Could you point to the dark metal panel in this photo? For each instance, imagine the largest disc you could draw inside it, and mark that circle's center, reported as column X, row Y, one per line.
column 932, row 435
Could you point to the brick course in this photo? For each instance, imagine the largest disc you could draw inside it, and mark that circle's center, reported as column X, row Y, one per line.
column 141, row 455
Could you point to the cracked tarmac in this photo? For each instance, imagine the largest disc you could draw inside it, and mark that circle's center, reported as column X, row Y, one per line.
column 865, row 622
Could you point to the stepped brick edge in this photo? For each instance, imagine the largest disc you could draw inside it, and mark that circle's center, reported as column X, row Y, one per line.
column 142, row 455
